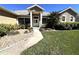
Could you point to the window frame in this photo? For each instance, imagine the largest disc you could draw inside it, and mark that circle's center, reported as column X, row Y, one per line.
column 72, row 20
column 64, row 18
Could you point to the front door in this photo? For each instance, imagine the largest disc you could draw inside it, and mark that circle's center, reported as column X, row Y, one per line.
column 36, row 21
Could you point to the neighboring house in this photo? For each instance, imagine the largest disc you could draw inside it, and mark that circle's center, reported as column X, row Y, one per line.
column 68, row 15
column 35, row 16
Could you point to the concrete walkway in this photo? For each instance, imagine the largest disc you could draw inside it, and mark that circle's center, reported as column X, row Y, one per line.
column 17, row 48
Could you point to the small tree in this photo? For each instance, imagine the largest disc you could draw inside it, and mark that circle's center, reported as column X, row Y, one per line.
column 53, row 20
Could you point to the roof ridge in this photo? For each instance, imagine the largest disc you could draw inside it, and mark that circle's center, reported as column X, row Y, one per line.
column 67, row 9
column 35, row 5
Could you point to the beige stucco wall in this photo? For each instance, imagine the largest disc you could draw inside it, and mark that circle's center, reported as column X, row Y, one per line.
column 67, row 17
column 8, row 20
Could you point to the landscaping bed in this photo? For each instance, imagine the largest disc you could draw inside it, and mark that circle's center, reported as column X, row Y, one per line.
column 13, row 37
column 56, row 43
column 11, row 34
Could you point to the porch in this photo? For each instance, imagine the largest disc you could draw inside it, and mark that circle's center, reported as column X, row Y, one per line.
column 34, row 16
column 33, row 20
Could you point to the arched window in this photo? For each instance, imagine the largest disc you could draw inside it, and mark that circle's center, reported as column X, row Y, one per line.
column 63, row 18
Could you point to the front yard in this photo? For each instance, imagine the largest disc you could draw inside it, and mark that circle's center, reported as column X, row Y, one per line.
column 56, row 43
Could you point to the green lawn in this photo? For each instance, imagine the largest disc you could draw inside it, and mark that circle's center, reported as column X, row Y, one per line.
column 56, row 43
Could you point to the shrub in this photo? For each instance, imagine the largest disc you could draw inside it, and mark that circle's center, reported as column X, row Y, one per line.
column 67, row 26
column 27, row 25
column 21, row 26
column 3, row 31
column 5, row 28
column 24, row 26
column 73, row 25
column 60, row 27
column 9, row 26
column 15, row 27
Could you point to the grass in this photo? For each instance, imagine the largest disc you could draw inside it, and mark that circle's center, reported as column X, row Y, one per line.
column 56, row 43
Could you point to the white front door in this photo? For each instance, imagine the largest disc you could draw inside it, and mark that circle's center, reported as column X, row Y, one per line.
column 36, row 22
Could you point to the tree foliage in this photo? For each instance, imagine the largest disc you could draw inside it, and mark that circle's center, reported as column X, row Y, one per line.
column 53, row 19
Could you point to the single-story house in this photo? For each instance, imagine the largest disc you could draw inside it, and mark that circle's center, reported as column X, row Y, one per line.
column 35, row 16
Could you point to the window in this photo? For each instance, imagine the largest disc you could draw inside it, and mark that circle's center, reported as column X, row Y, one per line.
column 71, row 19
column 27, row 20
column 23, row 21
column 63, row 18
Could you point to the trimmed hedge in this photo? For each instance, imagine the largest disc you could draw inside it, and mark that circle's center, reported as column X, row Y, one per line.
column 67, row 26
column 71, row 22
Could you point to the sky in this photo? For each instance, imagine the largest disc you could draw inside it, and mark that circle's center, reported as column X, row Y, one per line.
column 47, row 7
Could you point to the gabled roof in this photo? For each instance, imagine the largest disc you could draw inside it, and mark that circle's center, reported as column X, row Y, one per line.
column 25, row 12
column 34, row 6
column 68, row 9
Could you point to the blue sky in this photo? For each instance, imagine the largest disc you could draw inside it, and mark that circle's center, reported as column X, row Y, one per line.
column 47, row 7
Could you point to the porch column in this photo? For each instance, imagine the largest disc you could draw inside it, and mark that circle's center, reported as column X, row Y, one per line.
column 30, row 18
column 40, row 20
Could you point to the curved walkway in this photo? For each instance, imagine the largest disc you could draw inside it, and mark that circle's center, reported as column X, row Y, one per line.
column 17, row 48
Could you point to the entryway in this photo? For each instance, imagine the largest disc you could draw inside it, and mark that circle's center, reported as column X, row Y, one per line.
column 35, row 21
